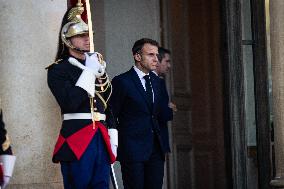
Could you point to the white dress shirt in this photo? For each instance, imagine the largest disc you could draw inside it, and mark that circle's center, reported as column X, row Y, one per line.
column 141, row 77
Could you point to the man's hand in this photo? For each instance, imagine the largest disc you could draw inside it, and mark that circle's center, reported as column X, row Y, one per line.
column 173, row 106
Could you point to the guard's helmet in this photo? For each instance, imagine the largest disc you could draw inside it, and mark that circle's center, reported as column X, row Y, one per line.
column 74, row 26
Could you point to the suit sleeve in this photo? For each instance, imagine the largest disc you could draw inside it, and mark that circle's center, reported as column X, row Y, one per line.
column 68, row 96
column 117, row 97
column 166, row 112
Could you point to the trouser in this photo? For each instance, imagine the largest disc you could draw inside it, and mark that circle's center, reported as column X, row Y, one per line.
column 146, row 174
column 91, row 171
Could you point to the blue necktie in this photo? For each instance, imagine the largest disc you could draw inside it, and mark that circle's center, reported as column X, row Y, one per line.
column 149, row 92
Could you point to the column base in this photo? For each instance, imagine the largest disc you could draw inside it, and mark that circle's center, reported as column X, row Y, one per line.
column 277, row 182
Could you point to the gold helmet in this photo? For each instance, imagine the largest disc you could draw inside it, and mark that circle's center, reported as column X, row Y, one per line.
column 74, row 26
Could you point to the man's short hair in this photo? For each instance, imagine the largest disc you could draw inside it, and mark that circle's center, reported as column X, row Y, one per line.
column 141, row 42
column 162, row 53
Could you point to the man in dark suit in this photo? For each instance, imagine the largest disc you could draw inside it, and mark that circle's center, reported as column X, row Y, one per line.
column 136, row 104
column 168, row 107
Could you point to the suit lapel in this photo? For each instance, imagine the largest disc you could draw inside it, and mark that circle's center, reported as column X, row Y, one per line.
column 155, row 86
column 139, row 86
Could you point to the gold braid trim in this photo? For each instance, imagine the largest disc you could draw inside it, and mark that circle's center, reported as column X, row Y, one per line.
column 56, row 62
column 106, row 82
column 109, row 93
column 102, row 91
column 106, row 76
column 6, row 144
column 103, row 100
column 103, row 84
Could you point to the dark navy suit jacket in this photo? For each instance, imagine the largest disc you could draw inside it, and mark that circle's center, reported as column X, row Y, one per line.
column 165, row 116
column 137, row 119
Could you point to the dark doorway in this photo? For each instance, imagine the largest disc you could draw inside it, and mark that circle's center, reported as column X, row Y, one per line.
column 198, row 155
column 246, row 92
column 219, row 80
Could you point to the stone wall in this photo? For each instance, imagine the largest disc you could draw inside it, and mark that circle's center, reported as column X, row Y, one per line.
column 28, row 43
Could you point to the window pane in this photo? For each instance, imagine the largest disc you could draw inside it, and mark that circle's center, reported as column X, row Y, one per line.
column 252, row 167
column 246, row 20
column 249, row 95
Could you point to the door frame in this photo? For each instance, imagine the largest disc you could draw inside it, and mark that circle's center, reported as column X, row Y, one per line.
column 262, row 95
column 234, row 99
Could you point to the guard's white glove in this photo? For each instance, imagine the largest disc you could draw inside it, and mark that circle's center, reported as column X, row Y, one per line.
column 92, row 62
column 93, row 69
column 113, row 135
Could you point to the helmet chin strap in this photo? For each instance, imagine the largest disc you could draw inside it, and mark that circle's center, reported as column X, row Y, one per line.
column 80, row 50
column 70, row 45
column 75, row 50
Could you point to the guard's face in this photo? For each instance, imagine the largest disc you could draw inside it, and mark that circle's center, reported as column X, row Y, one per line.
column 81, row 42
column 147, row 59
column 164, row 66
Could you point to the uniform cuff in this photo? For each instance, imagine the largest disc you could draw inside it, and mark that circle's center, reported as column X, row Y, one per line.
column 8, row 162
column 113, row 134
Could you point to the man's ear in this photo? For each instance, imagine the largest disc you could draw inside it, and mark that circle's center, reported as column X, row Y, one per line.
column 137, row 57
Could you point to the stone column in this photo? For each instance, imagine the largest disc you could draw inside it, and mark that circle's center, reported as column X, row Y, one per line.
column 277, row 64
column 28, row 43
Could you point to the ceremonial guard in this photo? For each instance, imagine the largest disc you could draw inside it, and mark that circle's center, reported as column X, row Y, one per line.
column 7, row 159
column 87, row 142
